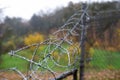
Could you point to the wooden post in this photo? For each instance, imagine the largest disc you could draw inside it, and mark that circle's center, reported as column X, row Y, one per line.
column 75, row 75
column 82, row 42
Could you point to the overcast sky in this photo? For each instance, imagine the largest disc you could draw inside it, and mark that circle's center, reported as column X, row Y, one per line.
column 26, row 8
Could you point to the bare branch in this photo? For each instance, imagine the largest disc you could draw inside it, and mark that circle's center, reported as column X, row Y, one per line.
column 65, row 74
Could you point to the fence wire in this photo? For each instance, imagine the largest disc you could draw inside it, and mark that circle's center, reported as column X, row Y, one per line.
column 103, row 55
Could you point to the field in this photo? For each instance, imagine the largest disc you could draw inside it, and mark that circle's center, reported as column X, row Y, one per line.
column 102, row 63
column 103, row 59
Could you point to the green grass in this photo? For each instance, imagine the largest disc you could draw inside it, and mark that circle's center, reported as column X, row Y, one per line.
column 103, row 59
column 11, row 61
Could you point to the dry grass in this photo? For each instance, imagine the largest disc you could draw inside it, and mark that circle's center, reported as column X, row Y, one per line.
column 103, row 75
column 9, row 76
column 93, row 75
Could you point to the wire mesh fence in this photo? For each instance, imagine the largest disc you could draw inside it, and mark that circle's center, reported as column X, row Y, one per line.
column 104, row 65
column 103, row 55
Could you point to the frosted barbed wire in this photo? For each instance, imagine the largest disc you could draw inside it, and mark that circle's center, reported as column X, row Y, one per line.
column 26, row 47
column 71, row 18
column 13, row 53
column 50, row 53
column 76, row 23
column 31, row 61
column 57, row 43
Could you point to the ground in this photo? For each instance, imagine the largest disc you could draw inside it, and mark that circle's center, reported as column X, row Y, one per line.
column 94, row 75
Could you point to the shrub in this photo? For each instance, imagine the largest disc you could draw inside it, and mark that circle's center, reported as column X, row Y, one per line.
column 8, row 45
column 33, row 38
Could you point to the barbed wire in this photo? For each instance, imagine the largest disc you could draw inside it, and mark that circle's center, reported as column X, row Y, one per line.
column 57, row 43
column 39, row 64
